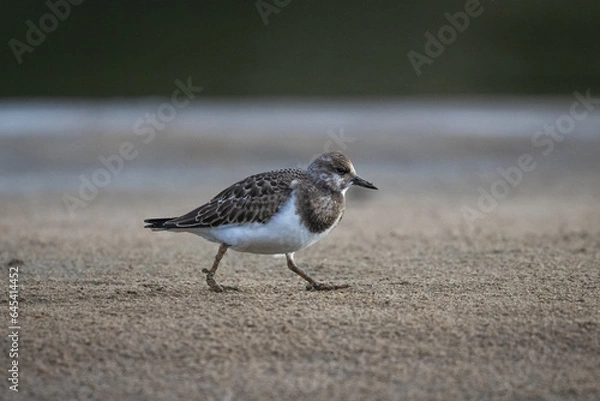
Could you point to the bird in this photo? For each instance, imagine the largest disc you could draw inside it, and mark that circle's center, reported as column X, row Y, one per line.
column 275, row 212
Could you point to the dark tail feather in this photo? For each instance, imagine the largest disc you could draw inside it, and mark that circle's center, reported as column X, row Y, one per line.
column 158, row 224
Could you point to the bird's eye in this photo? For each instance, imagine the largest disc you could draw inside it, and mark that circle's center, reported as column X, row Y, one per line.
column 341, row 170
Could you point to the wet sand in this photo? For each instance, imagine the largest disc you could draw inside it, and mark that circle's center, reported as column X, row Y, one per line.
column 505, row 307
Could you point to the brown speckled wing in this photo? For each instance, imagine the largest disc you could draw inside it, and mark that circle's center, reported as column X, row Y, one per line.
column 253, row 200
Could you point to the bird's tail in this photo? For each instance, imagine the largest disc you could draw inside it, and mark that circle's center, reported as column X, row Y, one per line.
column 158, row 224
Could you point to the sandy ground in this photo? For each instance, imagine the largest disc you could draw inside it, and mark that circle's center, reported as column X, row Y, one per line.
column 506, row 308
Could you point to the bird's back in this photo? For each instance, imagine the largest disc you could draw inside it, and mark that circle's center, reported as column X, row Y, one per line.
column 255, row 199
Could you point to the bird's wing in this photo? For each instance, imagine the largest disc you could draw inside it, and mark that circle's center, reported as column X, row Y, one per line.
column 253, row 200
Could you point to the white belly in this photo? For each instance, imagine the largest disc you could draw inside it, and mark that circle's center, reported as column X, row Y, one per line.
column 284, row 233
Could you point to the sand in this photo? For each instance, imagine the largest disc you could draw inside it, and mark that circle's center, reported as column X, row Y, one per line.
column 506, row 307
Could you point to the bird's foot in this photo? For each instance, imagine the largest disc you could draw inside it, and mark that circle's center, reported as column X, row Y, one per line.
column 212, row 283
column 316, row 286
column 214, row 286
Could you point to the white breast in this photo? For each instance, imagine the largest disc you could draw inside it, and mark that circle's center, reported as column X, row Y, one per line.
column 284, row 233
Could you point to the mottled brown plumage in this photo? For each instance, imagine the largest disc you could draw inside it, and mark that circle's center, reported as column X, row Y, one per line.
column 319, row 207
column 255, row 199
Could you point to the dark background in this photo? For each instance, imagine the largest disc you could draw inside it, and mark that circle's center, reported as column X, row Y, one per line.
column 310, row 48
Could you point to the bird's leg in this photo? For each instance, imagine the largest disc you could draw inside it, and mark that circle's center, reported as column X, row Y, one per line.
column 312, row 285
column 210, row 274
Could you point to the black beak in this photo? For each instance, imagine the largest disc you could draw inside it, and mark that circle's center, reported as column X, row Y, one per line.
column 363, row 183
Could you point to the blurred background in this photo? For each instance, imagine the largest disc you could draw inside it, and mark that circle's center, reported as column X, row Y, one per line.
column 114, row 49
column 99, row 97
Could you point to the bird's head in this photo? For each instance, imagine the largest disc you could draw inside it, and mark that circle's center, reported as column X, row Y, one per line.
column 336, row 171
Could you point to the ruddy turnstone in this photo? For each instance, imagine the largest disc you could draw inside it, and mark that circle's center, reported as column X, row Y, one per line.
column 277, row 212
